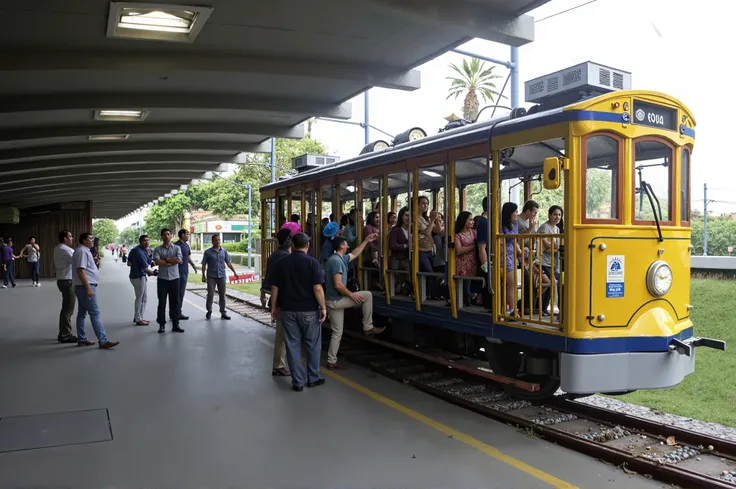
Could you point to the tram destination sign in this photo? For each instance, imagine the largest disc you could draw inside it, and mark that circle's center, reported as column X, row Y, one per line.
column 646, row 114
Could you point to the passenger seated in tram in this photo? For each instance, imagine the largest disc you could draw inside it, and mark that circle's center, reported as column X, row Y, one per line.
column 466, row 258
column 551, row 256
column 398, row 244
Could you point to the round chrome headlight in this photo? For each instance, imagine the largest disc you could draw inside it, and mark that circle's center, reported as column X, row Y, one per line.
column 659, row 278
column 417, row 134
column 380, row 145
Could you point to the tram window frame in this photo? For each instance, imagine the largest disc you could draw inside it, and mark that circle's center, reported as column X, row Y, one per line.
column 617, row 179
column 685, row 174
column 671, row 183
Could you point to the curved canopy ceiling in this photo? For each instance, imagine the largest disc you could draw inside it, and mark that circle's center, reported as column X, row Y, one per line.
column 244, row 71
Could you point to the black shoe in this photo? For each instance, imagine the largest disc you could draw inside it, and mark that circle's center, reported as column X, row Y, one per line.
column 161, row 329
column 297, row 388
column 177, row 329
column 183, row 318
column 68, row 339
column 208, row 315
column 224, row 316
column 316, row 383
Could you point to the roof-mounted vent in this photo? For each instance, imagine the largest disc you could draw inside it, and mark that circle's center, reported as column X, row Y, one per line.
column 575, row 83
column 308, row 162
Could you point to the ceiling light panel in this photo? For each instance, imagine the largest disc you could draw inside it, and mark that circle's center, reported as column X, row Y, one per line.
column 121, row 115
column 156, row 21
column 109, row 137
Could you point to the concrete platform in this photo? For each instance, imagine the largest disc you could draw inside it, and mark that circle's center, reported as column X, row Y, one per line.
column 202, row 410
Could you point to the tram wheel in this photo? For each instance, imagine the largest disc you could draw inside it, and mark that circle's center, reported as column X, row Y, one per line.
column 529, row 365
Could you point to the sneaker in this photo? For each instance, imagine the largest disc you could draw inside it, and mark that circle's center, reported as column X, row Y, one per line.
column 38, row 284
column 68, row 339
column 5, row 286
column 316, row 383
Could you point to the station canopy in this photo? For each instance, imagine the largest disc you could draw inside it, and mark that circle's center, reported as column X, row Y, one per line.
column 121, row 103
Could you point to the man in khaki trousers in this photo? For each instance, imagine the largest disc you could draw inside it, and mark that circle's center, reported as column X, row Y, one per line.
column 279, row 351
column 339, row 297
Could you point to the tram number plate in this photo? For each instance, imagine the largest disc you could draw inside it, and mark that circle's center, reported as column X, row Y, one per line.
column 646, row 114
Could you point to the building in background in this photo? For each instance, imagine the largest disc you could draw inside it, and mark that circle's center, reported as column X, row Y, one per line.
column 203, row 225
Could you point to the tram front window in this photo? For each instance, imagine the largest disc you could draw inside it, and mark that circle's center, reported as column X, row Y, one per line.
column 652, row 169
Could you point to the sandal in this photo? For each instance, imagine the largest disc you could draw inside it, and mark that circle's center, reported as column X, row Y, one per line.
column 280, row 372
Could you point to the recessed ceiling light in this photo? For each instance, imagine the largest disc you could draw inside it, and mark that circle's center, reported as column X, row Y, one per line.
column 109, row 137
column 121, row 114
column 156, row 21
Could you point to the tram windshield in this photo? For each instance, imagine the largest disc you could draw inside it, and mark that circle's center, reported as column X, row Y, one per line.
column 653, row 173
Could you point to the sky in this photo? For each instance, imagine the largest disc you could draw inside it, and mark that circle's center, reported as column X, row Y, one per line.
column 672, row 46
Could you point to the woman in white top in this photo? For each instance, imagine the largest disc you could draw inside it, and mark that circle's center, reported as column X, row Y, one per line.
column 32, row 253
column 551, row 255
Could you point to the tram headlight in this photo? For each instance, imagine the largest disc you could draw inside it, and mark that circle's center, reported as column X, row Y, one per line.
column 413, row 134
column 659, row 278
column 379, row 145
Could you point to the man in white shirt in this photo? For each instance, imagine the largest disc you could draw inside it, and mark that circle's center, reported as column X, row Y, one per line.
column 85, row 280
column 63, row 264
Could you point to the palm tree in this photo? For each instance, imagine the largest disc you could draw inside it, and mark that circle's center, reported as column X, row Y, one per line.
column 473, row 77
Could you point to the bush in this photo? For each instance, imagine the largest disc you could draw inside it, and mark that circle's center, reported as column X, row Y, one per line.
column 721, row 235
column 239, row 247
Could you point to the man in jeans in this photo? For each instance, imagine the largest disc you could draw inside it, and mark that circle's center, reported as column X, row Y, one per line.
column 167, row 257
column 215, row 275
column 140, row 269
column 85, row 282
column 297, row 298
column 340, row 298
column 63, row 254
column 186, row 257
column 8, row 262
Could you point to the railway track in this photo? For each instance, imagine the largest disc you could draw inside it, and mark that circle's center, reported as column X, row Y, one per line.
column 639, row 446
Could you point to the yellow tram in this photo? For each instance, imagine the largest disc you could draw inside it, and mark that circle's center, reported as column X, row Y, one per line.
column 617, row 160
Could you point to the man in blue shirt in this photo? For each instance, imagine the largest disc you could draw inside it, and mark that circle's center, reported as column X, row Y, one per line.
column 8, row 262
column 297, row 298
column 339, row 297
column 215, row 275
column 186, row 257
column 139, row 262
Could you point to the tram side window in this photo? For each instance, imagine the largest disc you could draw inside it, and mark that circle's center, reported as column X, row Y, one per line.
column 685, row 186
column 652, row 165
column 601, row 178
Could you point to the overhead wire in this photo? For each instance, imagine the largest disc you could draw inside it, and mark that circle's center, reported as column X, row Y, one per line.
column 565, row 11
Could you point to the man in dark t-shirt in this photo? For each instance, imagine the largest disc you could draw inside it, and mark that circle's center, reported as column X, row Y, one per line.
column 297, row 297
column 272, row 266
column 481, row 229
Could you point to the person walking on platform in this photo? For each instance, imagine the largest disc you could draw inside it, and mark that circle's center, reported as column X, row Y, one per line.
column 8, row 263
column 339, row 297
column 186, row 256
column 279, row 348
column 85, row 281
column 215, row 275
column 63, row 262
column 168, row 257
column 31, row 252
column 139, row 262
column 298, row 300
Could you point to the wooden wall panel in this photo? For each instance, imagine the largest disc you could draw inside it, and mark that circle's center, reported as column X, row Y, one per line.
column 45, row 224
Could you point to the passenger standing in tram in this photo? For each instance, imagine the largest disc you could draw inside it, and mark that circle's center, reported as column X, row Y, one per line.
column 511, row 252
column 63, row 262
column 283, row 237
column 551, row 256
column 398, row 244
column 527, row 221
column 372, row 226
column 466, row 261
column 439, row 264
column 427, row 224
column 186, row 256
column 340, row 298
column 31, row 252
column 298, row 300
column 481, row 229
column 391, row 219
column 327, row 250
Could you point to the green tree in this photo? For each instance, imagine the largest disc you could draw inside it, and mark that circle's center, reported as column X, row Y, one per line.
column 106, row 230
column 472, row 78
column 129, row 235
column 721, row 235
column 170, row 213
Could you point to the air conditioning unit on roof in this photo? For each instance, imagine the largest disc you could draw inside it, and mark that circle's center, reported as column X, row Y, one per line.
column 308, row 162
column 583, row 80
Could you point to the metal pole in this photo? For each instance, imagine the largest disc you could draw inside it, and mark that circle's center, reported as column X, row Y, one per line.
column 250, row 226
column 514, row 77
column 366, row 125
column 705, row 219
column 273, row 160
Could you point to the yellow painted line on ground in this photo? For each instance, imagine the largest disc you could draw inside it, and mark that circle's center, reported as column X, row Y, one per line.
column 457, row 435
column 196, row 305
